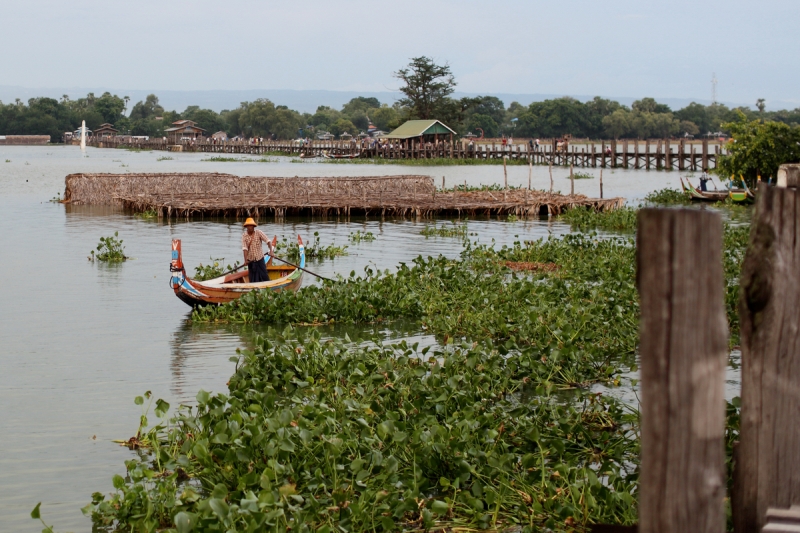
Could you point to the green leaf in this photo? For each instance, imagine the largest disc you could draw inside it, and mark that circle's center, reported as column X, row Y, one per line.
column 138, row 400
column 118, row 481
column 219, row 507
column 35, row 513
column 185, row 522
column 439, row 507
column 202, row 397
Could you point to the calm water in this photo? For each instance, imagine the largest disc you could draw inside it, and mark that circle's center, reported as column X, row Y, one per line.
column 80, row 340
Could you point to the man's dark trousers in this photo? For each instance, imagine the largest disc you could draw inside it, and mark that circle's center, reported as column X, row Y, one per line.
column 257, row 271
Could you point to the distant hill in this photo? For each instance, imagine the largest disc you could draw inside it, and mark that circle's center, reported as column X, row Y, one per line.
column 307, row 101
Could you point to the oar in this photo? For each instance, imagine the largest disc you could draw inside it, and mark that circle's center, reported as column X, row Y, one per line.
column 298, row 266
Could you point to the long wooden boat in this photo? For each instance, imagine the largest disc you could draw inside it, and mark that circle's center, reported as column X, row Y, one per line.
column 233, row 286
column 703, row 196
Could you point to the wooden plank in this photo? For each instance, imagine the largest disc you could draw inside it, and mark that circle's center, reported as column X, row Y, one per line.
column 684, row 347
column 768, row 471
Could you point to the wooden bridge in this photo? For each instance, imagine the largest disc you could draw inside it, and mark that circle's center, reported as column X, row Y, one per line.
column 662, row 154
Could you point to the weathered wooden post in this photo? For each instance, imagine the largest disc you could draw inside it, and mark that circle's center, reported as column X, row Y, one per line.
column 767, row 472
column 571, row 181
column 551, row 178
column 601, row 183
column 505, row 179
column 684, row 348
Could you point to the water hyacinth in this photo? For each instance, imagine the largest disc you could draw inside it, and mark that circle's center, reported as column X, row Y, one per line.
column 320, row 436
column 500, row 426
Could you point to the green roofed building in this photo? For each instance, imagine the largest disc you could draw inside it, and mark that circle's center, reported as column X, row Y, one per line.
column 427, row 130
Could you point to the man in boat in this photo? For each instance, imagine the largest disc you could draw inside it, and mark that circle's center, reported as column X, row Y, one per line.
column 253, row 253
column 704, row 179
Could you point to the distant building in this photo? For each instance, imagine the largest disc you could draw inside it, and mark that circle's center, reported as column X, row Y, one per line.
column 182, row 130
column 105, row 130
column 345, row 136
column 422, row 131
column 220, row 136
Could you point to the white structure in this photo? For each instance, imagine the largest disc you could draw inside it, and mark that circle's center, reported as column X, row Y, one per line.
column 83, row 135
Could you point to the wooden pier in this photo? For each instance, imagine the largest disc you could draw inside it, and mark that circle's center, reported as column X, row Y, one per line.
column 662, row 154
column 208, row 194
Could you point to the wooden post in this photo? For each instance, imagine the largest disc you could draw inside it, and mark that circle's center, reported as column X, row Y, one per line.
column 767, row 473
column 601, row 183
column 530, row 171
column 551, row 178
column 684, row 348
column 571, row 181
column 505, row 179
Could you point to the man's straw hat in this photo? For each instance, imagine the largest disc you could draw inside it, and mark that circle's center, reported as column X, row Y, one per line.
column 249, row 222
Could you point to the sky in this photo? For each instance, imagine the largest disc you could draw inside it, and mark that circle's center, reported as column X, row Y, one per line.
column 612, row 48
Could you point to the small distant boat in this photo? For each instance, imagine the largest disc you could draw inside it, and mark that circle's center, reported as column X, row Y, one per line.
column 232, row 286
column 305, row 155
column 703, row 196
column 327, row 155
column 741, row 196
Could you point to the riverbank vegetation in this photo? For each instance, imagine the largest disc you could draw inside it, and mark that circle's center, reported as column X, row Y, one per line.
column 427, row 88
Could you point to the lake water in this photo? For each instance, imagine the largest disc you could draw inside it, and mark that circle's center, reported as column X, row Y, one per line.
column 80, row 340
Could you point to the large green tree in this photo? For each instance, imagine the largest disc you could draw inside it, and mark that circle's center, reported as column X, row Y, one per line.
column 427, row 88
column 758, row 147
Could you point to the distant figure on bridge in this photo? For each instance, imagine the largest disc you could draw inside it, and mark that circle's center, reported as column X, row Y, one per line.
column 504, row 141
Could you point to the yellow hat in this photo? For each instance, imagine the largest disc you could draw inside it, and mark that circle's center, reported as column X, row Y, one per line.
column 249, row 222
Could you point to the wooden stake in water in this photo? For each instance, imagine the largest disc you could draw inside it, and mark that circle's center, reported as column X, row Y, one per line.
column 601, row 183
column 551, row 178
column 530, row 171
column 442, row 183
column 571, row 181
column 505, row 179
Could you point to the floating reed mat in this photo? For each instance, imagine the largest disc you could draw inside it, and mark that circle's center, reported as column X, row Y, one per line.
column 186, row 195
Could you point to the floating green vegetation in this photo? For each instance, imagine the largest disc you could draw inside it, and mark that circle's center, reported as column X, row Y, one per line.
column 223, row 159
column 314, row 250
column 8, row 161
column 164, row 158
column 213, row 270
column 512, row 217
column 456, row 229
column 622, row 219
column 496, row 428
column 56, row 199
column 478, row 297
column 133, row 148
column 668, row 196
column 359, row 236
column 147, row 214
column 226, row 159
column 317, row 435
column 582, row 176
column 109, row 249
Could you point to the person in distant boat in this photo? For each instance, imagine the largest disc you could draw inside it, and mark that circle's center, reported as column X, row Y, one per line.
column 253, row 253
column 704, row 179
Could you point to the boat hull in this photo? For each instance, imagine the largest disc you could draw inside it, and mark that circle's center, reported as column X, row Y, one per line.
column 228, row 288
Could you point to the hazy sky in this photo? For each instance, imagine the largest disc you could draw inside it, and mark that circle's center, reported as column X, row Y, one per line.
column 610, row 48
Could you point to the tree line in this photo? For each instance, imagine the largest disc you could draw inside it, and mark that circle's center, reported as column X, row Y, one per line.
column 427, row 94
